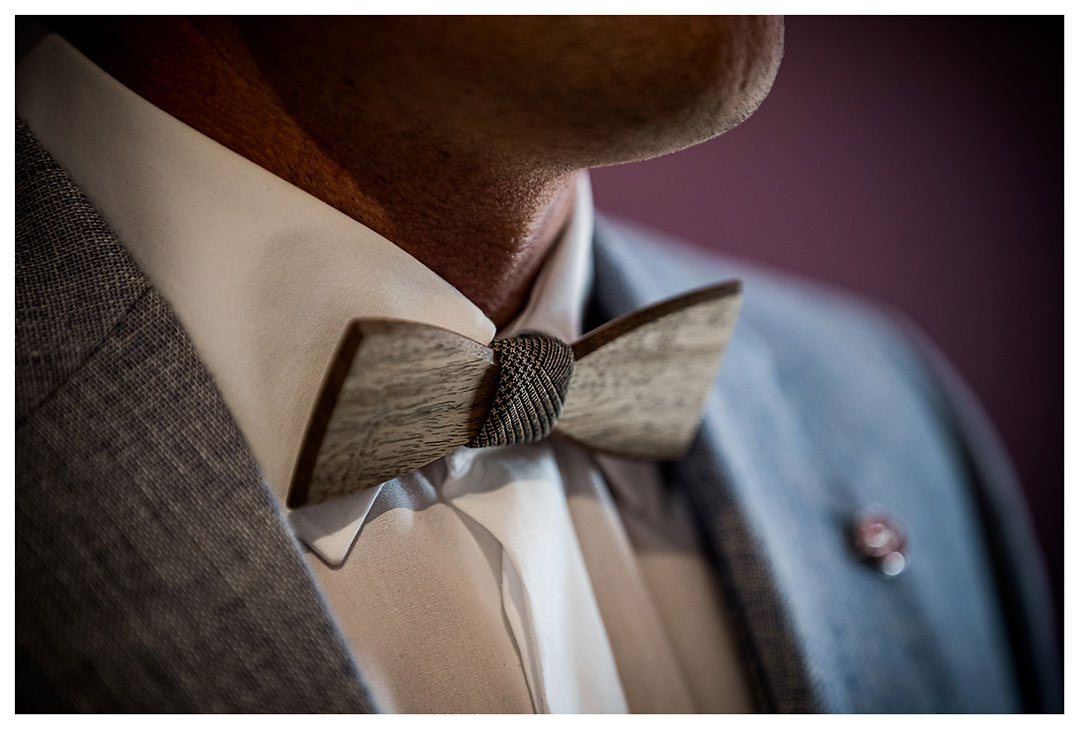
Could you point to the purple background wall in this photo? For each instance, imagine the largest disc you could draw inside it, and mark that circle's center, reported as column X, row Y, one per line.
column 918, row 161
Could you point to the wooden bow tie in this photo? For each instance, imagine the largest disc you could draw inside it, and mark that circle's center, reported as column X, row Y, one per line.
column 400, row 395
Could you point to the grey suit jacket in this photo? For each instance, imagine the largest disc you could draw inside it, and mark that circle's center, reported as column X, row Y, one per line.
column 153, row 571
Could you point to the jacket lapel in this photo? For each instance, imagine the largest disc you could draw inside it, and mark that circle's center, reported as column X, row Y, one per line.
column 153, row 569
column 776, row 667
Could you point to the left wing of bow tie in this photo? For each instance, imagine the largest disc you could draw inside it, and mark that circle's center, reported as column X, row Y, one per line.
column 400, row 395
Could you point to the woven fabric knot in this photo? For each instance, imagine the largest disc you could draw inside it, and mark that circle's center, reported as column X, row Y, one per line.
column 534, row 373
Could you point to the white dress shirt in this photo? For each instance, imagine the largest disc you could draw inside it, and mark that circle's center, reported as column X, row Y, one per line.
column 522, row 578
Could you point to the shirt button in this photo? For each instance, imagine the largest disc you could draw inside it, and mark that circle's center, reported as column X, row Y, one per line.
column 881, row 542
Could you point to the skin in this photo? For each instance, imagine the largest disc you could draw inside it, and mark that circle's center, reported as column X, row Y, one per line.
column 458, row 139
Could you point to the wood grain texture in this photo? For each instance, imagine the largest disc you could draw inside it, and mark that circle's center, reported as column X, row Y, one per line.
column 640, row 382
column 399, row 395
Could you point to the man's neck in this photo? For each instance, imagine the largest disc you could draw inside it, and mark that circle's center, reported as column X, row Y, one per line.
column 482, row 220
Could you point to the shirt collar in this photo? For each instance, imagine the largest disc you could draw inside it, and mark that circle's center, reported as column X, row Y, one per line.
column 555, row 306
column 262, row 275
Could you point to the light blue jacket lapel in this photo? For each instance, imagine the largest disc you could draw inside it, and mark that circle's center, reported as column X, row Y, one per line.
column 824, row 408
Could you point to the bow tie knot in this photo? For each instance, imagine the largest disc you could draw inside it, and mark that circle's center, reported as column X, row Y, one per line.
column 534, row 374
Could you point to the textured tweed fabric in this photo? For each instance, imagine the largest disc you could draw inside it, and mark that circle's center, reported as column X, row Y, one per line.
column 534, row 373
column 152, row 570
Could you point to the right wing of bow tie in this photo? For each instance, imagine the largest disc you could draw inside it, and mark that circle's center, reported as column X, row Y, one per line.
column 400, row 395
